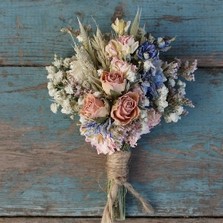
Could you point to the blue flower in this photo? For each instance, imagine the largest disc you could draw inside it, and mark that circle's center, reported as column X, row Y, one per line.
column 153, row 75
column 147, row 76
column 149, row 90
column 152, row 79
column 158, row 78
column 147, row 50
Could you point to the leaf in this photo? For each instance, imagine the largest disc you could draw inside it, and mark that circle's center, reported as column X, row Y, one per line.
column 114, row 94
column 83, row 35
column 126, row 147
column 101, row 119
column 98, row 44
column 92, row 53
column 86, row 42
column 135, row 25
column 142, row 34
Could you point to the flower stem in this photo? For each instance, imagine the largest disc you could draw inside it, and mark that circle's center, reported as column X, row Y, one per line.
column 119, row 211
column 119, row 204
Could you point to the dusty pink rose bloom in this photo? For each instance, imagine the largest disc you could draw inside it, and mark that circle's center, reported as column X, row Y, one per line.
column 122, row 66
column 114, row 81
column 128, row 43
column 126, row 109
column 121, row 47
column 126, row 40
column 153, row 118
column 113, row 49
column 93, row 107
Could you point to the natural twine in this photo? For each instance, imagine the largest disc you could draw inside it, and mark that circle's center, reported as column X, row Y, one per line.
column 117, row 170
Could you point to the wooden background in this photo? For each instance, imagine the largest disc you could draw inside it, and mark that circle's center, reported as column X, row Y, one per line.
column 48, row 174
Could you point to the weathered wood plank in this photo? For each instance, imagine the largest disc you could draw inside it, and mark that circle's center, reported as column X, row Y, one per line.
column 30, row 29
column 87, row 220
column 46, row 168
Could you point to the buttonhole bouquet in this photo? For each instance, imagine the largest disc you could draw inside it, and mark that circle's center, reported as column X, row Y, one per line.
column 120, row 89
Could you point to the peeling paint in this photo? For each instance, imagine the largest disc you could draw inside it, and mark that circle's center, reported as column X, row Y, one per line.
column 19, row 24
column 118, row 13
column 172, row 18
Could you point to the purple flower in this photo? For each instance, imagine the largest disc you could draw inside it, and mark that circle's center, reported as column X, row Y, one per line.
column 91, row 128
column 147, row 50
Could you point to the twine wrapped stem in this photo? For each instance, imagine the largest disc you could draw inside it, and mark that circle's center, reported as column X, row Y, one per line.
column 117, row 171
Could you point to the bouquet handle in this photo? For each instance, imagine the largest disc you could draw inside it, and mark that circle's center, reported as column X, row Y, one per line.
column 117, row 170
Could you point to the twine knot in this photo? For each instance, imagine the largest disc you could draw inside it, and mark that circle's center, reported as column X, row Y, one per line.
column 117, row 171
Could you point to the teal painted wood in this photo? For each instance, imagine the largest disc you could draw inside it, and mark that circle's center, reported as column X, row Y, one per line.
column 30, row 29
column 44, row 163
column 46, row 168
column 96, row 220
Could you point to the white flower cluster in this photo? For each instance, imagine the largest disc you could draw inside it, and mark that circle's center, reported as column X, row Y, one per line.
column 144, row 122
column 178, row 110
column 173, row 105
column 59, row 87
column 161, row 102
column 174, row 116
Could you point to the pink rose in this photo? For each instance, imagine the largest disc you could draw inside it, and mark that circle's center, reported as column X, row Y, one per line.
column 126, row 40
column 128, row 69
column 113, row 81
column 122, row 66
column 126, row 109
column 129, row 45
column 121, row 47
column 94, row 107
column 113, row 49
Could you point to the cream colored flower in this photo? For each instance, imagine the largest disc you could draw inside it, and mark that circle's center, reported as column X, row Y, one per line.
column 66, row 107
column 51, row 88
column 53, row 107
column 68, row 89
column 120, row 26
column 76, row 71
column 161, row 102
column 172, row 117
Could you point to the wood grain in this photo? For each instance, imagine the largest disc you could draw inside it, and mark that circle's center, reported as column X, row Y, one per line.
column 87, row 220
column 30, row 29
column 46, row 169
